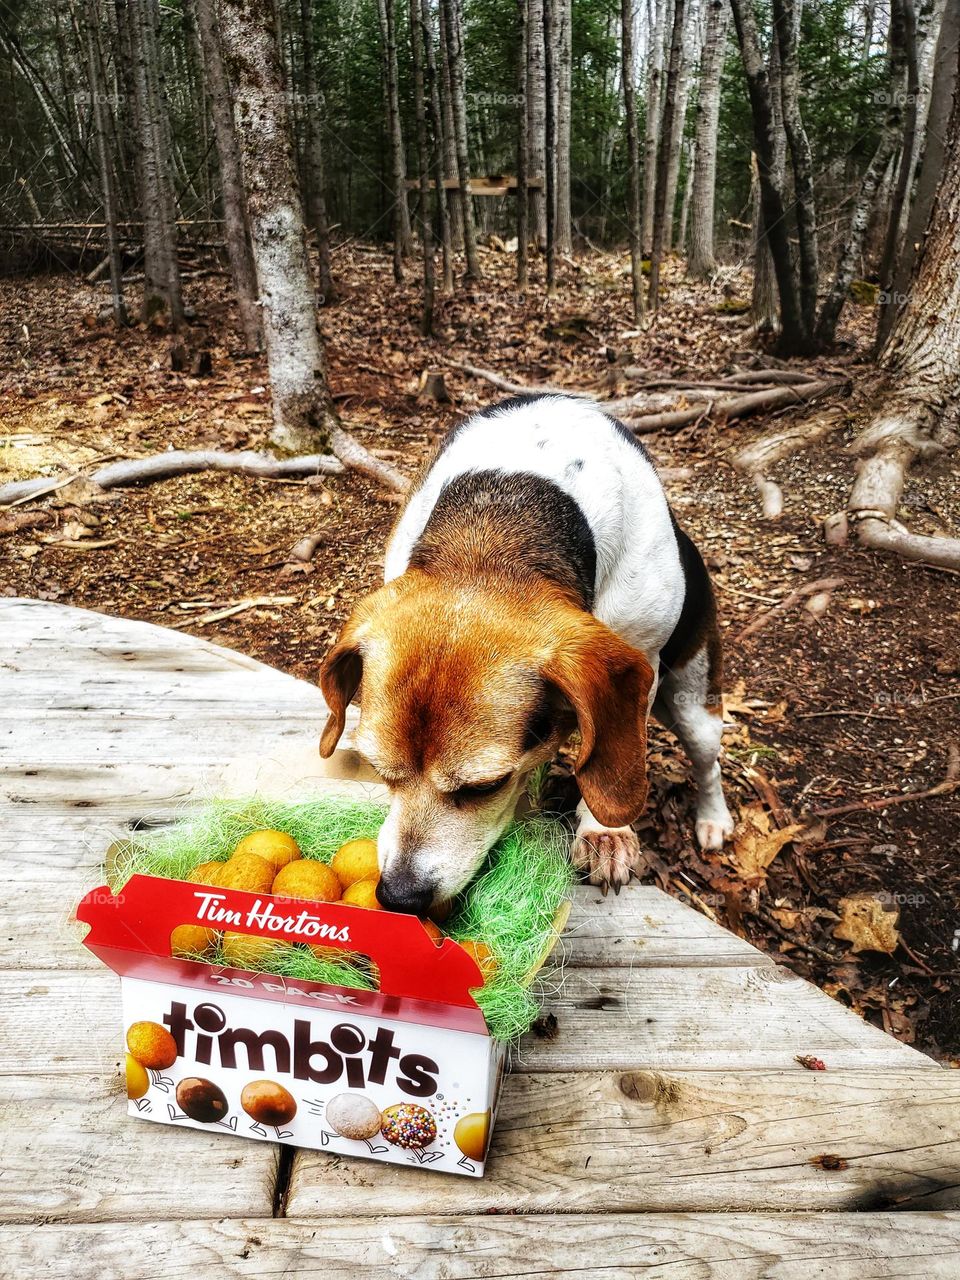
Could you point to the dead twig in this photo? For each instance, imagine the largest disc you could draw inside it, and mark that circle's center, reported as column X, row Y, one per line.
column 950, row 783
column 811, row 588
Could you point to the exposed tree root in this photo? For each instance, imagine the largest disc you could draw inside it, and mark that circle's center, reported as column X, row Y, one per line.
column 179, row 462
column 756, row 459
column 809, row 589
column 726, row 409
column 888, row 448
column 950, row 782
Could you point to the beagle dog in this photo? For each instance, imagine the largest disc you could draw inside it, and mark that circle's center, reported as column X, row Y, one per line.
column 536, row 582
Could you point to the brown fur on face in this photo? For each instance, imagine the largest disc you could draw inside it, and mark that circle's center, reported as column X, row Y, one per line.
column 464, row 684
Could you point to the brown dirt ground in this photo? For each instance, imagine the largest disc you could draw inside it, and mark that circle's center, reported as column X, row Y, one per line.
column 857, row 703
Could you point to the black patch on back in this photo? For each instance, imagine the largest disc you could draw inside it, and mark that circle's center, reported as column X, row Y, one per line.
column 513, row 525
column 699, row 610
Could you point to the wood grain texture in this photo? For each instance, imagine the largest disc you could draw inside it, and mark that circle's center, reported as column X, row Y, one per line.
column 70, row 1153
column 659, row 1246
column 646, row 1141
column 720, row 1019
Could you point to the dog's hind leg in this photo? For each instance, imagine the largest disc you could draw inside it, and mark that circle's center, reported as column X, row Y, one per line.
column 688, row 703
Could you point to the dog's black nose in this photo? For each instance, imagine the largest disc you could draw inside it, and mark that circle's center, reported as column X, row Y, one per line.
column 402, row 894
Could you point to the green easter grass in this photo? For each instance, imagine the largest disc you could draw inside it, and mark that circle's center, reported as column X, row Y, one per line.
column 510, row 905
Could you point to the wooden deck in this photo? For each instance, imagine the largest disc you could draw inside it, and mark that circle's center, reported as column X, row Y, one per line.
column 664, row 1131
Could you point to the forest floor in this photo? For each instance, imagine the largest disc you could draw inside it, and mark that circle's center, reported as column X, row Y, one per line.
column 855, row 700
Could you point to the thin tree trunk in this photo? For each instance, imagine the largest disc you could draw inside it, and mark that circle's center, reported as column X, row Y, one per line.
column 454, row 33
column 436, row 124
column 98, row 94
column 633, row 157
column 316, row 203
column 523, row 152
column 684, row 78
column 794, row 339
column 236, row 231
column 161, row 272
column 398, row 169
column 866, row 200
column 786, row 16
column 654, row 100
column 423, row 168
column 663, row 154
column 550, row 182
column 537, row 117
column 903, row 36
column 702, row 262
column 449, row 132
column 562, row 11
column 764, row 301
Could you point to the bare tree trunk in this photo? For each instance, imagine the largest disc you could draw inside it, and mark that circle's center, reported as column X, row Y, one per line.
column 866, row 200
column 550, row 181
column 315, row 197
column 654, row 101
column 537, row 118
column 701, row 261
column 523, row 152
column 903, row 36
column 786, row 16
column 663, row 154
column 687, row 70
column 454, row 205
column 98, row 94
column 563, row 61
column 945, row 80
column 921, row 363
column 454, row 33
column 423, row 167
column 401, row 213
column 633, row 157
column 764, row 301
column 436, row 124
column 161, row 272
column 794, row 337
column 236, row 231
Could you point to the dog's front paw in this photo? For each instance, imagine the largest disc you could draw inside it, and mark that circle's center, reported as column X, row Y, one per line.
column 713, row 831
column 611, row 855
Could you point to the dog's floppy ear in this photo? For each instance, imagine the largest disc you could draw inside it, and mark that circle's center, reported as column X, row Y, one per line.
column 607, row 683
column 340, row 678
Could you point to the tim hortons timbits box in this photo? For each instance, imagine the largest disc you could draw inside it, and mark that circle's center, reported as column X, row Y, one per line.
column 408, row 1074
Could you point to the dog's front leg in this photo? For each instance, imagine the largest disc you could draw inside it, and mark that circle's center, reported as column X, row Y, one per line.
column 610, row 854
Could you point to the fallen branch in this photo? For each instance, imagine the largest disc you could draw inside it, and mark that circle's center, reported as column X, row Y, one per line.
column 728, row 410
column 230, row 611
column 950, row 782
column 757, row 457
column 519, row 388
column 747, row 377
column 178, row 462
column 811, row 588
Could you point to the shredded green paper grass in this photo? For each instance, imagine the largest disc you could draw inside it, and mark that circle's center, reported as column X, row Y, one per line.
column 511, row 905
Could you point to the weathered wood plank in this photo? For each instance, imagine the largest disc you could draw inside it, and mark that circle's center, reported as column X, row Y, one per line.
column 682, row 1141
column 880, row 1246
column 70, row 1153
column 722, row 1019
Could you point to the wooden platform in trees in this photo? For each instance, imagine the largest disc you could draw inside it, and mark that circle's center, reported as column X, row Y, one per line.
column 665, row 1130
column 493, row 185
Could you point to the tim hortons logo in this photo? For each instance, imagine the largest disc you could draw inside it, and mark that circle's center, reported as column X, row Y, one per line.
column 265, row 916
column 348, row 1053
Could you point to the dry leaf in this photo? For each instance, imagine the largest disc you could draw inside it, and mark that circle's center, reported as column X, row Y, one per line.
column 755, row 844
column 868, row 924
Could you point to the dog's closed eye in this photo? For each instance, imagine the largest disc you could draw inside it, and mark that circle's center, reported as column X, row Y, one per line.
column 463, row 795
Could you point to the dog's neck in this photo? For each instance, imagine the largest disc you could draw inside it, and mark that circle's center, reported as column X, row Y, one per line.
column 518, row 529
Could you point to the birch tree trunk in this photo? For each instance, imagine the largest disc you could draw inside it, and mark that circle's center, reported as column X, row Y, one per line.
column 423, row 168
column 686, row 72
column 537, row 119
column 236, row 231
column 401, row 213
column 161, row 272
column 702, row 262
column 654, row 102
column 563, row 62
column 454, row 34
column 786, row 17
column 99, row 94
column 633, row 157
column 660, row 211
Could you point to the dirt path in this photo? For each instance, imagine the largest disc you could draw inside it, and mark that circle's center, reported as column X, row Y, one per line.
column 856, row 702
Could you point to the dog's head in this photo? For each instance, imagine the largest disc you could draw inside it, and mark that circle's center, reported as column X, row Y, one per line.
column 463, row 691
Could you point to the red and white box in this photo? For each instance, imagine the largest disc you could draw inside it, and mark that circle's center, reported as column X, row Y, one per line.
column 408, row 1074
